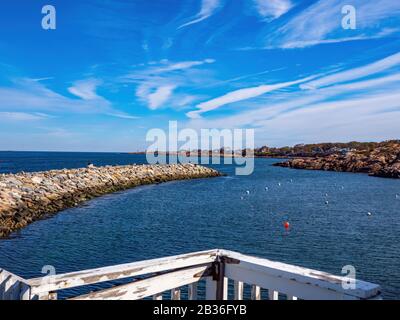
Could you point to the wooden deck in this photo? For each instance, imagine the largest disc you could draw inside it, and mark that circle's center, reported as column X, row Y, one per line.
column 217, row 269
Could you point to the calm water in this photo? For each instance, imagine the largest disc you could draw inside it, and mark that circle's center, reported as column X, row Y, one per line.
column 180, row 217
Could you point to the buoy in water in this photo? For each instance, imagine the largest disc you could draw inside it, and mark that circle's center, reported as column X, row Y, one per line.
column 279, row 184
column 369, row 214
column 286, row 224
column 266, row 188
column 248, row 192
column 326, row 202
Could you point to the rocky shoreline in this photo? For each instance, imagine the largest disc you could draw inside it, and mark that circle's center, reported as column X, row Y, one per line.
column 26, row 197
column 383, row 161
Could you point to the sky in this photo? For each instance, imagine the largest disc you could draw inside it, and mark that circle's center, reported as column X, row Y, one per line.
column 114, row 69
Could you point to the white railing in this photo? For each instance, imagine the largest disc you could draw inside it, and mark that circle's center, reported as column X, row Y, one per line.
column 226, row 275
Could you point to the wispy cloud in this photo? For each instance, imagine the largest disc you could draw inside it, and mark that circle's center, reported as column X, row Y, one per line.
column 240, row 95
column 355, row 73
column 365, row 110
column 26, row 94
column 179, row 66
column 320, row 23
column 360, row 103
column 22, row 116
column 29, row 98
column 310, row 43
column 158, row 81
column 208, row 7
column 85, row 89
column 43, row 79
column 121, row 115
column 365, row 119
column 273, row 9
column 161, row 95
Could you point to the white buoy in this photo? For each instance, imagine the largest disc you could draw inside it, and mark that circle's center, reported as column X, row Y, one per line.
column 248, row 192
column 291, row 180
column 397, row 196
column 279, row 184
column 326, row 195
column 241, row 198
column 266, row 188
column 326, row 202
column 369, row 214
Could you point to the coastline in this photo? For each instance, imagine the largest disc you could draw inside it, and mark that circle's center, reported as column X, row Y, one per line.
column 27, row 197
column 375, row 167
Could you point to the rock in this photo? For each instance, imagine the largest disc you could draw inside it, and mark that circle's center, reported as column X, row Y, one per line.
column 383, row 161
column 37, row 180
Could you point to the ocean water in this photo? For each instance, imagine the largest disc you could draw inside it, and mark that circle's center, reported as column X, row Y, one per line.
column 180, row 217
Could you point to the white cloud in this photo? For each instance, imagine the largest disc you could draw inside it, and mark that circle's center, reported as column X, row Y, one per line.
column 310, row 43
column 27, row 98
column 371, row 117
column 185, row 100
column 85, row 89
column 21, row 116
column 43, row 79
column 321, row 23
column 356, row 73
column 208, row 7
column 273, row 9
column 26, row 94
column 239, row 95
column 330, row 114
column 180, row 66
column 121, row 115
column 160, row 96
column 339, row 101
column 158, row 81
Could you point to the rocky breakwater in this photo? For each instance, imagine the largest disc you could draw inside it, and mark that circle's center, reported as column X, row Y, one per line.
column 382, row 161
column 26, row 197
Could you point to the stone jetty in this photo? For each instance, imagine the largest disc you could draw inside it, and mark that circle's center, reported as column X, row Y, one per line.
column 26, row 197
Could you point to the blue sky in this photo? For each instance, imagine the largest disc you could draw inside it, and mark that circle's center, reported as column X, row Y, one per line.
column 113, row 69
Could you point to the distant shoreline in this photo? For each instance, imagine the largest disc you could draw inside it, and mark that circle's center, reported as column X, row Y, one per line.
column 383, row 160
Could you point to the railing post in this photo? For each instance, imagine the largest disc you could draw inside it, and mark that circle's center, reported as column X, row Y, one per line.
column 255, row 293
column 211, row 289
column 217, row 281
column 176, row 294
column 222, row 282
column 217, row 284
column 25, row 292
column 273, row 295
column 238, row 288
column 192, row 291
column 158, row 296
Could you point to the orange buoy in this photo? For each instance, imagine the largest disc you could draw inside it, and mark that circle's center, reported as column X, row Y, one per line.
column 286, row 225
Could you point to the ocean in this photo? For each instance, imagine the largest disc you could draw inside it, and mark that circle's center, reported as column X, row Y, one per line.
column 180, row 217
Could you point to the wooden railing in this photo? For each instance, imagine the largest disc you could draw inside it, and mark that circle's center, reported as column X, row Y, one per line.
column 221, row 274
